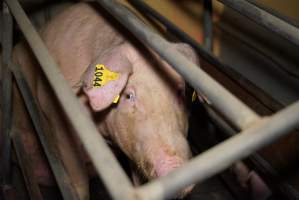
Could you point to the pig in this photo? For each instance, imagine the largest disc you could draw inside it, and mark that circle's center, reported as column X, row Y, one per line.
column 251, row 181
column 140, row 106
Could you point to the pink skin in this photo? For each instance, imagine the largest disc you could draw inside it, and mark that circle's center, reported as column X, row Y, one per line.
column 149, row 123
column 251, row 181
column 164, row 164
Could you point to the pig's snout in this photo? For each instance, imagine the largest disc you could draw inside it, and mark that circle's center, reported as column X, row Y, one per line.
column 164, row 164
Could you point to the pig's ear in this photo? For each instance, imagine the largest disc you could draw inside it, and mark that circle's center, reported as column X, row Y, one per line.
column 187, row 51
column 106, row 77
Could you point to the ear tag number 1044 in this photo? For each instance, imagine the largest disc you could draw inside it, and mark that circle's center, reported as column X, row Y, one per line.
column 102, row 76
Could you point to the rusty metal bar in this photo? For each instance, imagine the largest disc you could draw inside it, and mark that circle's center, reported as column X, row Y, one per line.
column 265, row 19
column 113, row 176
column 6, row 95
column 236, row 148
column 235, row 110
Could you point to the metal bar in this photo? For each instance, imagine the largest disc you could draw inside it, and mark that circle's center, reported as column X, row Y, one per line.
column 208, row 24
column 236, row 148
column 221, row 98
column 26, row 167
column 113, row 176
column 206, row 55
column 265, row 19
column 146, row 10
column 275, row 13
column 260, row 164
column 6, row 95
column 203, row 52
column 44, row 137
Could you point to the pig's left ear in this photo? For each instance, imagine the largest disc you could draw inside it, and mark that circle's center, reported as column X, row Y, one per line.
column 106, row 77
column 187, row 51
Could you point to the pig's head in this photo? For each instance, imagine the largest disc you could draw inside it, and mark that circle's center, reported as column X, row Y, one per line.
column 150, row 121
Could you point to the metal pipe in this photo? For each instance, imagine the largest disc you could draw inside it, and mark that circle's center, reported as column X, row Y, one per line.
column 221, row 98
column 6, row 95
column 265, row 19
column 202, row 51
column 224, row 126
column 61, row 176
column 27, row 169
column 113, row 176
column 260, row 164
column 173, row 29
column 236, row 148
column 208, row 24
column 206, row 55
column 274, row 13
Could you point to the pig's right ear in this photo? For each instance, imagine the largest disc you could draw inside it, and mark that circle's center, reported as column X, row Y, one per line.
column 106, row 77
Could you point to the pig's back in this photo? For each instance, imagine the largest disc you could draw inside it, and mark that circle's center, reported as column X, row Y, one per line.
column 76, row 36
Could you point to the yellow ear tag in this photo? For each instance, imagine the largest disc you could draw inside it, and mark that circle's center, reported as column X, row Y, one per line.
column 194, row 96
column 116, row 99
column 102, row 76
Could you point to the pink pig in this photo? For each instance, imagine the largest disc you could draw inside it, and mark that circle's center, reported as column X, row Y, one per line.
column 150, row 121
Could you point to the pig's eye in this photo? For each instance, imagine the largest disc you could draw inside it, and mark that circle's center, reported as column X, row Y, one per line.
column 130, row 96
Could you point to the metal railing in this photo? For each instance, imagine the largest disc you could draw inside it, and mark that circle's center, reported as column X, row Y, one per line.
column 111, row 173
column 265, row 19
column 256, row 132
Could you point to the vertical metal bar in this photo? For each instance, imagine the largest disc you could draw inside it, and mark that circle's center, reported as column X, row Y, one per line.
column 208, row 24
column 265, row 19
column 221, row 98
column 6, row 91
column 59, row 172
column 224, row 154
column 26, row 167
column 113, row 176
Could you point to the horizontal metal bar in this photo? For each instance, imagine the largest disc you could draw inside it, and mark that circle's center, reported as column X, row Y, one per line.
column 113, row 176
column 265, row 19
column 222, row 99
column 236, row 148
column 260, row 165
